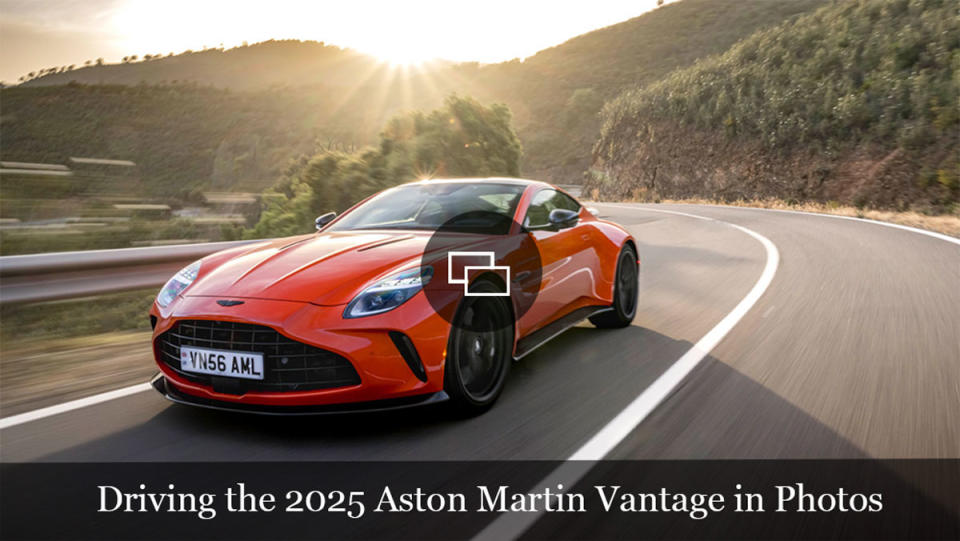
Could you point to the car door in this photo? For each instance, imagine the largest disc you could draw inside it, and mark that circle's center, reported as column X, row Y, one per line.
column 566, row 274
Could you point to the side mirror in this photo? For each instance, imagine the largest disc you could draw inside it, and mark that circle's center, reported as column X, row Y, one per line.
column 563, row 218
column 324, row 219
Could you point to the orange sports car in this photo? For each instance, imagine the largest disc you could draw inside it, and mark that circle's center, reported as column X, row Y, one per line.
column 423, row 293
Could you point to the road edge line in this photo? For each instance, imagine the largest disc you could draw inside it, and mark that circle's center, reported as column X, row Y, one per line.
column 14, row 420
column 927, row 232
column 565, row 476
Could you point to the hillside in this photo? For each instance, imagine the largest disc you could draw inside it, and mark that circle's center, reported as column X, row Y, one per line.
column 181, row 137
column 855, row 103
column 555, row 95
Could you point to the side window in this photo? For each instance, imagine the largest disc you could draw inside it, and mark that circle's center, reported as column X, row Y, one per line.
column 564, row 201
column 538, row 214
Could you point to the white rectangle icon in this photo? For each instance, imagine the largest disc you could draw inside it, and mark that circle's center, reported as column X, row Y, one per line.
column 491, row 265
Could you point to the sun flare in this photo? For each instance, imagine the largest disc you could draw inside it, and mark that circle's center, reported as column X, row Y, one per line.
column 400, row 33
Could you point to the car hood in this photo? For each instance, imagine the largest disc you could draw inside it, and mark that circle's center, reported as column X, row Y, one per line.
column 326, row 269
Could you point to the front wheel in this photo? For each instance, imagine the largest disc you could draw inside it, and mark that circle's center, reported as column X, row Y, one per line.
column 479, row 351
column 625, row 292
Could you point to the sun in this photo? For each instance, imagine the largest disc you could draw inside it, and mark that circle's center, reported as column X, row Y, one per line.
column 403, row 34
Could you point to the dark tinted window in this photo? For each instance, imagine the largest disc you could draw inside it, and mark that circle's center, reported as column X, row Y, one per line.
column 468, row 207
column 538, row 214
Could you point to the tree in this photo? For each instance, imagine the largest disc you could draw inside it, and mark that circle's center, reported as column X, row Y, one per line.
column 461, row 139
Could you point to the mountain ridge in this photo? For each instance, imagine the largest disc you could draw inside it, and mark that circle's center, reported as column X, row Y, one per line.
column 555, row 95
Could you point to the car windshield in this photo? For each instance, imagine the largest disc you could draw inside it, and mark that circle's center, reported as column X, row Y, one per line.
column 482, row 207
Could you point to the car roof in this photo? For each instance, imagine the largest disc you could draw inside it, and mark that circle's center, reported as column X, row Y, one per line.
column 481, row 180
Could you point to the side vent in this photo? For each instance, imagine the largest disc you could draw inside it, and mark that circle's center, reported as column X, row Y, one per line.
column 409, row 352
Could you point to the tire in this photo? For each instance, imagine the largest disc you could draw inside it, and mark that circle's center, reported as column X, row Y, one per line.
column 479, row 351
column 625, row 293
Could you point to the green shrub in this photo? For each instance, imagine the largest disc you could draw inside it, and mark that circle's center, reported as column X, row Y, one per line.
column 841, row 74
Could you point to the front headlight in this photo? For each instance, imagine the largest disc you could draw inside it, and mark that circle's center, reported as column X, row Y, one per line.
column 178, row 283
column 388, row 293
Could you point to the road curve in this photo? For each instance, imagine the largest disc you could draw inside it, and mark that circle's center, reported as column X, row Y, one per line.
column 852, row 351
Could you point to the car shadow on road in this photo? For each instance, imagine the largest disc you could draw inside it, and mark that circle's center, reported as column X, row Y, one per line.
column 556, row 399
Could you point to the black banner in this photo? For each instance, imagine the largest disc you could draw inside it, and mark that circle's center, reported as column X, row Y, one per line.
column 723, row 500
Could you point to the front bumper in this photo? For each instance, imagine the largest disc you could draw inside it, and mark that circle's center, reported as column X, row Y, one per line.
column 159, row 382
column 365, row 342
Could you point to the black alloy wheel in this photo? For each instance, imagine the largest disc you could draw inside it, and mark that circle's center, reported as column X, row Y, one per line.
column 625, row 293
column 480, row 350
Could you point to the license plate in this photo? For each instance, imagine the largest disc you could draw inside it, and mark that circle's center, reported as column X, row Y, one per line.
column 235, row 364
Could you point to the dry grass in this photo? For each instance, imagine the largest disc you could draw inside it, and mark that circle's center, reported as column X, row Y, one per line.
column 43, row 371
column 948, row 224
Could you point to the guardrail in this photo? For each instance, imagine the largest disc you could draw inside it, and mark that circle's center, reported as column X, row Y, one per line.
column 64, row 275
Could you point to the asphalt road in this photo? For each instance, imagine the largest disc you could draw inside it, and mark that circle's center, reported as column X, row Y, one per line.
column 852, row 351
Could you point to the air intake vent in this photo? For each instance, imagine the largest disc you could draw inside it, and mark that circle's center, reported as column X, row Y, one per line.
column 409, row 353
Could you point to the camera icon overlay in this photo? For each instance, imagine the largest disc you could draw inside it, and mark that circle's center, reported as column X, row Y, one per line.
column 490, row 265
column 475, row 244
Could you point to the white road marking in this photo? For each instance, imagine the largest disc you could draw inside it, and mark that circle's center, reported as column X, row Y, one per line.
column 512, row 525
column 926, row 232
column 14, row 420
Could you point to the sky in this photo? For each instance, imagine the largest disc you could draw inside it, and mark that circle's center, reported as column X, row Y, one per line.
column 38, row 34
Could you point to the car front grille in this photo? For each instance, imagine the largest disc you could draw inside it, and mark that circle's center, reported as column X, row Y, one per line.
column 288, row 365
